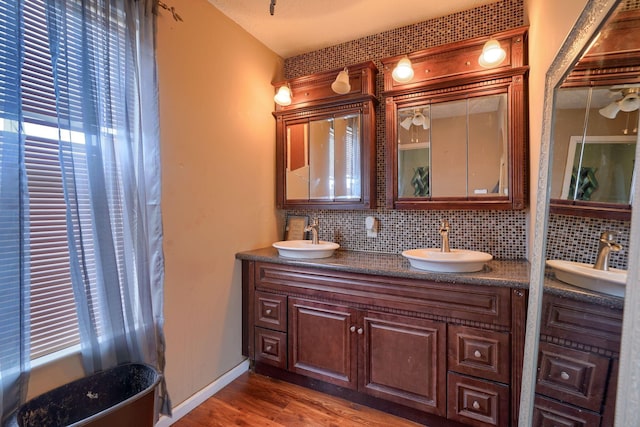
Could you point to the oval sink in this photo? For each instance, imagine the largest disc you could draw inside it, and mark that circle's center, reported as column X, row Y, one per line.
column 456, row 261
column 611, row 282
column 304, row 249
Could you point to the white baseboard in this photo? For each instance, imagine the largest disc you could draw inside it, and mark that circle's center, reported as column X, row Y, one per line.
column 188, row 405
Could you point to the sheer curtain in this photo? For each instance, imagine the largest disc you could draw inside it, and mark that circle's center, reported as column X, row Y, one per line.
column 105, row 102
column 14, row 213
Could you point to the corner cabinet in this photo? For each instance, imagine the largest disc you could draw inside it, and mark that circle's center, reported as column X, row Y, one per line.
column 438, row 353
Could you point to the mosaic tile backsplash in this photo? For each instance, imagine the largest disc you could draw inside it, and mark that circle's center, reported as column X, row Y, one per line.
column 501, row 233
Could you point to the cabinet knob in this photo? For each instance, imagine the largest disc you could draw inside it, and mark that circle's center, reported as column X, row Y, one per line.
column 352, row 329
column 477, row 353
column 268, row 348
column 476, row 405
column 360, row 331
column 564, row 375
column 268, row 311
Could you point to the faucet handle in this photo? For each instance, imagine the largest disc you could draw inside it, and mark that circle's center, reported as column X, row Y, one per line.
column 609, row 235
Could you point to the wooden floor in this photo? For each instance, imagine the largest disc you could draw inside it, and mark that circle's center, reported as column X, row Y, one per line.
column 256, row 400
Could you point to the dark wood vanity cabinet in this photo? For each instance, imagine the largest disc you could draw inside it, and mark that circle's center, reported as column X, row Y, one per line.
column 577, row 364
column 449, row 354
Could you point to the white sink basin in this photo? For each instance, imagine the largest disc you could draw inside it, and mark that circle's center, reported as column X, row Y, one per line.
column 610, row 282
column 304, row 249
column 456, row 261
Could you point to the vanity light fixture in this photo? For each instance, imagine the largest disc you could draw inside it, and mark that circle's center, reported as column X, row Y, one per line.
column 417, row 119
column 630, row 102
column 492, row 54
column 341, row 84
column 403, row 72
column 283, row 96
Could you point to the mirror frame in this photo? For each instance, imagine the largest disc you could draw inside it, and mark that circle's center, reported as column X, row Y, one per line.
column 588, row 24
column 312, row 96
column 451, row 72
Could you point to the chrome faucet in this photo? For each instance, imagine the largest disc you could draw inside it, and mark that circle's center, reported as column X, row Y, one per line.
column 313, row 228
column 444, row 232
column 606, row 245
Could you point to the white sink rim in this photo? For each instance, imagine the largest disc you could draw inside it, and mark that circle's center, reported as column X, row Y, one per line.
column 304, row 249
column 611, row 282
column 456, row 261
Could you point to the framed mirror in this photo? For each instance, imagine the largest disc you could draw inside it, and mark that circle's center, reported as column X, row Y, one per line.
column 456, row 132
column 587, row 55
column 325, row 142
column 596, row 116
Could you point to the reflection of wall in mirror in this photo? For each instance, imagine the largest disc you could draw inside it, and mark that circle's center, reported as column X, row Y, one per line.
column 570, row 122
column 297, row 170
column 347, row 157
column 320, row 170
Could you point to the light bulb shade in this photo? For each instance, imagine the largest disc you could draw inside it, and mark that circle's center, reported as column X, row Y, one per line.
column 283, row 96
column 406, row 123
column 418, row 119
column 610, row 111
column 629, row 103
column 492, row 54
column 403, row 72
column 341, row 84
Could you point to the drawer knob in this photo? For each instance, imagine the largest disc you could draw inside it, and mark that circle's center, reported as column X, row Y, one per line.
column 477, row 353
column 476, row 405
column 564, row 375
column 268, row 311
column 352, row 329
column 268, row 348
column 360, row 331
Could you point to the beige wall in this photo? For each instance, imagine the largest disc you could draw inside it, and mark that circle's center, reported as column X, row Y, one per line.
column 550, row 21
column 218, row 169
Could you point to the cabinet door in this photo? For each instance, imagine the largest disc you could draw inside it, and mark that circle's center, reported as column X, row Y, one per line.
column 405, row 361
column 322, row 341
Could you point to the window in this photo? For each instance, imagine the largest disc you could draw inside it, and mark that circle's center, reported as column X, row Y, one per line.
column 49, row 121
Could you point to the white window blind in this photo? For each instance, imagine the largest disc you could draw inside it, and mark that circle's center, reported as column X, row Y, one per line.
column 54, row 322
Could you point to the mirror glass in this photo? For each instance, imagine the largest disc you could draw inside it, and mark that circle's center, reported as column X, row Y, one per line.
column 595, row 136
column 324, row 159
column 454, row 148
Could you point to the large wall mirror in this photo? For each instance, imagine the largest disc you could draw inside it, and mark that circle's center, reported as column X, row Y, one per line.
column 582, row 337
column 325, row 142
column 457, row 132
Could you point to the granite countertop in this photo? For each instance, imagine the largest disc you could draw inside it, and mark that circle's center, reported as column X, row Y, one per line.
column 509, row 273
column 513, row 274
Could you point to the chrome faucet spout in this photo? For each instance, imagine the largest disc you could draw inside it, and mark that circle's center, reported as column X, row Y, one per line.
column 606, row 245
column 444, row 233
column 313, row 228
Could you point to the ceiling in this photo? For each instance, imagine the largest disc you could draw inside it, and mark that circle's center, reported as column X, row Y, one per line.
column 300, row 26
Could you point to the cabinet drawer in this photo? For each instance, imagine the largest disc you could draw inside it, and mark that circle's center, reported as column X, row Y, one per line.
column 271, row 347
column 271, row 311
column 479, row 352
column 581, row 322
column 477, row 402
column 548, row 413
column 572, row 376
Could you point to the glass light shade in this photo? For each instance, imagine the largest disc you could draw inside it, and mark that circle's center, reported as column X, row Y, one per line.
column 403, row 71
column 418, row 119
column 629, row 103
column 283, row 96
column 341, row 84
column 492, row 54
column 406, row 123
column 610, row 111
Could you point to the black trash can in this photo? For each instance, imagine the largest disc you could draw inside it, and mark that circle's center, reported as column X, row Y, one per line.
column 123, row 396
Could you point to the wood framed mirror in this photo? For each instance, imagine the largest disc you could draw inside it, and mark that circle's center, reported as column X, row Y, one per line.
column 457, row 131
column 325, row 142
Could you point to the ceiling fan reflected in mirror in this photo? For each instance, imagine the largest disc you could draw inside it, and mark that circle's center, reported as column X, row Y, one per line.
column 629, row 100
column 418, row 118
